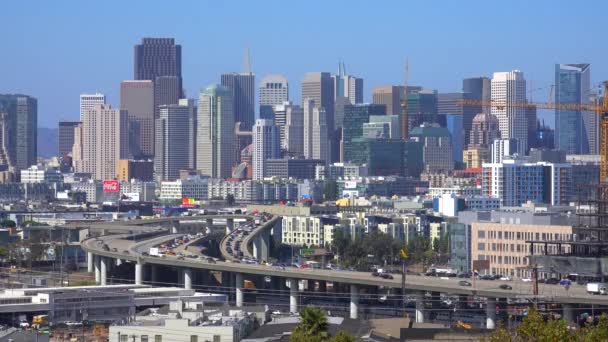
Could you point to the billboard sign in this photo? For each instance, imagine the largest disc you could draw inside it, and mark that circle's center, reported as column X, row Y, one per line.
column 130, row 196
column 188, row 202
column 350, row 185
column 111, row 186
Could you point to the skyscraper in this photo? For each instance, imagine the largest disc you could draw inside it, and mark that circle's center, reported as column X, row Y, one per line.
column 319, row 87
column 347, row 86
column 192, row 126
column 265, row 146
column 167, row 90
column 354, row 118
column 293, row 141
column 573, row 129
column 449, row 103
column 510, row 88
column 89, row 101
column 454, row 125
column 215, row 132
column 316, row 142
column 421, row 108
column 390, row 96
column 21, row 124
column 484, row 130
column 66, row 136
column 156, row 57
column 274, row 90
column 137, row 98
column 160, row 57
column 478, row 88
column 242, row 90
column 172, row 143
column 105, row 140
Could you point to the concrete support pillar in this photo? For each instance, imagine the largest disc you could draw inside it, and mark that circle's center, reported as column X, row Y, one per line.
column 419, row 307
column 90, row 258
column 322, row 286
column 104, row 271
column 118, row 262
column 153, row 273
column 97, row 263
column 310, row 285
column 354, row 301
column 229, row 225
column 491, row 313
column 139, row 273
column 293, row 295
column 239, row 289
column 187, row 278
column 209, row 222
column 568, row 313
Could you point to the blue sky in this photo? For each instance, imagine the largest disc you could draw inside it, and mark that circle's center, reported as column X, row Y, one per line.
column 55, row 50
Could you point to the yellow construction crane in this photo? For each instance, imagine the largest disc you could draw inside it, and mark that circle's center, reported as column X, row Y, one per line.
column 600, row 109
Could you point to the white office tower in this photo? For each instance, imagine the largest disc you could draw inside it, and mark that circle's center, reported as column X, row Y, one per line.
column 172, row 145
column 509, row 88
column 105, row 140
column 215, row 136
column 316, row 143
column 265, row 146
column 89, row 101
column 503, row 148
column 274, row 90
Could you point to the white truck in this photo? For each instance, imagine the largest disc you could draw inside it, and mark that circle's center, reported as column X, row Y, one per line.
column 597, row 288
column 154, row 251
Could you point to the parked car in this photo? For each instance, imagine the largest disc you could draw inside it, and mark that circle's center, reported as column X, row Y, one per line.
column 464, row 283
column 506, row 287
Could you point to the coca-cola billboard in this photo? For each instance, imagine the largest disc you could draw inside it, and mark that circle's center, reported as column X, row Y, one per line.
column 111, row 186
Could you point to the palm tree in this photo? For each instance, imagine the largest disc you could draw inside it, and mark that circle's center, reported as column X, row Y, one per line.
column 313, row 322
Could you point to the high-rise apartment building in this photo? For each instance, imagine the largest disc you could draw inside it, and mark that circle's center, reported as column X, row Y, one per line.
column 348, row 86
column 574, row 130
column 21, row 128
column 137, row 98
column 510, row 88
column 66, row 136
column 319, row 87
column 354, row 118
column 215, row 132
column 242, row 89
column 89, row 101
column 503, row 148
column 172, row 145
column 105, row 140
column 316, row 142
column 265, row 146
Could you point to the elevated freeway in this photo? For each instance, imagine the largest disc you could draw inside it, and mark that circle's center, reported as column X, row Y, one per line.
column 117, row 244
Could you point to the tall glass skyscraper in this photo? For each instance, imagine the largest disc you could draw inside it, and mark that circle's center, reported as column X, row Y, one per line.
column 575, row 131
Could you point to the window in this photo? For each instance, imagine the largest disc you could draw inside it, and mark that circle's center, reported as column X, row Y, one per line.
column 217, row 338
column 193, row 338
column 481, row 246
column 144, row 338
column 481, row 234
column 158, row 338
column 124, row 338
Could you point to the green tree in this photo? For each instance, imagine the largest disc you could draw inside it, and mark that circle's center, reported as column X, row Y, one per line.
column 331, row 189
column 3, row 251
column 8, row 224
column 313, row 328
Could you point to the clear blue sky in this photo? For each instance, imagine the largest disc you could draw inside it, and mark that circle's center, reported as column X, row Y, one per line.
column 55, row 50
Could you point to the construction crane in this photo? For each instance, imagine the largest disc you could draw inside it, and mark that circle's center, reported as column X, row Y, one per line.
column 404, row 127
column 600, row 109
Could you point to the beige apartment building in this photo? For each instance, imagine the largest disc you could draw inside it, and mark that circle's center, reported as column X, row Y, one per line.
column 504, row 245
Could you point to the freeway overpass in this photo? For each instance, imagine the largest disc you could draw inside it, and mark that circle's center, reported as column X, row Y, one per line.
column 125, row 247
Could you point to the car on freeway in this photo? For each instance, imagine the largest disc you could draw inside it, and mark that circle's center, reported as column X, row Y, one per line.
column 552, row 281
column 505, row 278
column 505, row 287
column 464, row 283
column 487, row 277
column 526, row 280
column 386, row 276
column 73, row 324
column 375, row 274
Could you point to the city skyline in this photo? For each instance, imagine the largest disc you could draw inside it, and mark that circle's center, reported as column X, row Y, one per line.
column 439, row 59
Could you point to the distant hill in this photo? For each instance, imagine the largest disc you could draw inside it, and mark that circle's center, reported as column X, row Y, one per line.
column 48, row 142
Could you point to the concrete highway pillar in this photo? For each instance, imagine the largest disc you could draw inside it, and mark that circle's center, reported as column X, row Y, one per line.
column 90, row 258
column 310, row 285
column 322, row 286
column 97, row 263
column 104, row 271
column 419, row 307
column 293, row 295
column 239, row 289
column 153, row 273
column 139, row 273
column 188, row 278
column 491, row 313
column 118, row 262
column 229, row 225
column 568, row 313
column 354, row 301
column 209, row 222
